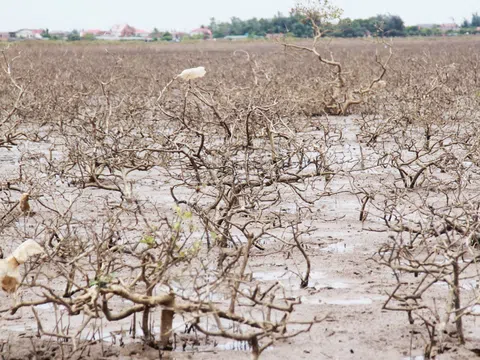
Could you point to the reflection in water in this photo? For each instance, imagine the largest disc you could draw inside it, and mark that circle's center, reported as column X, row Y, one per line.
column 340, row 247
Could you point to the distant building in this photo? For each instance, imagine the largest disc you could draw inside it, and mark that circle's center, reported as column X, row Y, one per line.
column 205, row 32
column 109, row 37
column 142, row 33
column 122, row 30
column 448, row 27
column 29, row 33
column 58, row 34
column 7, row 36
column 426, row 26
column 95, row 32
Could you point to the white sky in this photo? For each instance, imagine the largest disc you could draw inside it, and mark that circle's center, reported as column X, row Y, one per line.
column 189, row 14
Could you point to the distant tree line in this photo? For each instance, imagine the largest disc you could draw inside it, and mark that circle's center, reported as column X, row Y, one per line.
column 158, row 35
column 474, row 23
column 295, row 25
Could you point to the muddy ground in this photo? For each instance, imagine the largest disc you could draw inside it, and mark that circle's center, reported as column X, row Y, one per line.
column 346, row 285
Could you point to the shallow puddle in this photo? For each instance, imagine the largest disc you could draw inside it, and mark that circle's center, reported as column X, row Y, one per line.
column 348, row 302
column 318, row 280
column 470, row 284
column 284, row 275
column 234, row 346
column 340, row 302
column 331, row 285
column 48, row 306
column 123, row 336
column 22, row 328
column 227, row 346
column 340, row 247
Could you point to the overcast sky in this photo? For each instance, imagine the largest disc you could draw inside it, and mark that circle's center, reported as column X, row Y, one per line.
column 188, row 14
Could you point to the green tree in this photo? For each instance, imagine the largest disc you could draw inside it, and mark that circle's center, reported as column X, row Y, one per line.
column 194, row 37
column 213, row 24
column 167, row 36
column 296, row 25
column 390, row 25
column 412, row 31
column 301, row 30
column 155, row 34
column 89, row 37
column 45, row 34
column 74, row 36
column 396, row 22
column 237, row 26
column 475, row 20
column 222, row 30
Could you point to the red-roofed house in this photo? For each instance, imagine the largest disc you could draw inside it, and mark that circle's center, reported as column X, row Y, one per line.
column 447, row 27
column 142, row 33
column 205, row 32
column 29, row 33
column 122, row 30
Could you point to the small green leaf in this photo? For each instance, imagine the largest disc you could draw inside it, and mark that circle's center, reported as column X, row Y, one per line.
column 148, row 239
column 196, row 247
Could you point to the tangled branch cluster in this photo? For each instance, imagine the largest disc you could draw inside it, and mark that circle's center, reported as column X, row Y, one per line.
column 152, row 188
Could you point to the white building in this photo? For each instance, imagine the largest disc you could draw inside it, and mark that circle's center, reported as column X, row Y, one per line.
column 29, row 33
